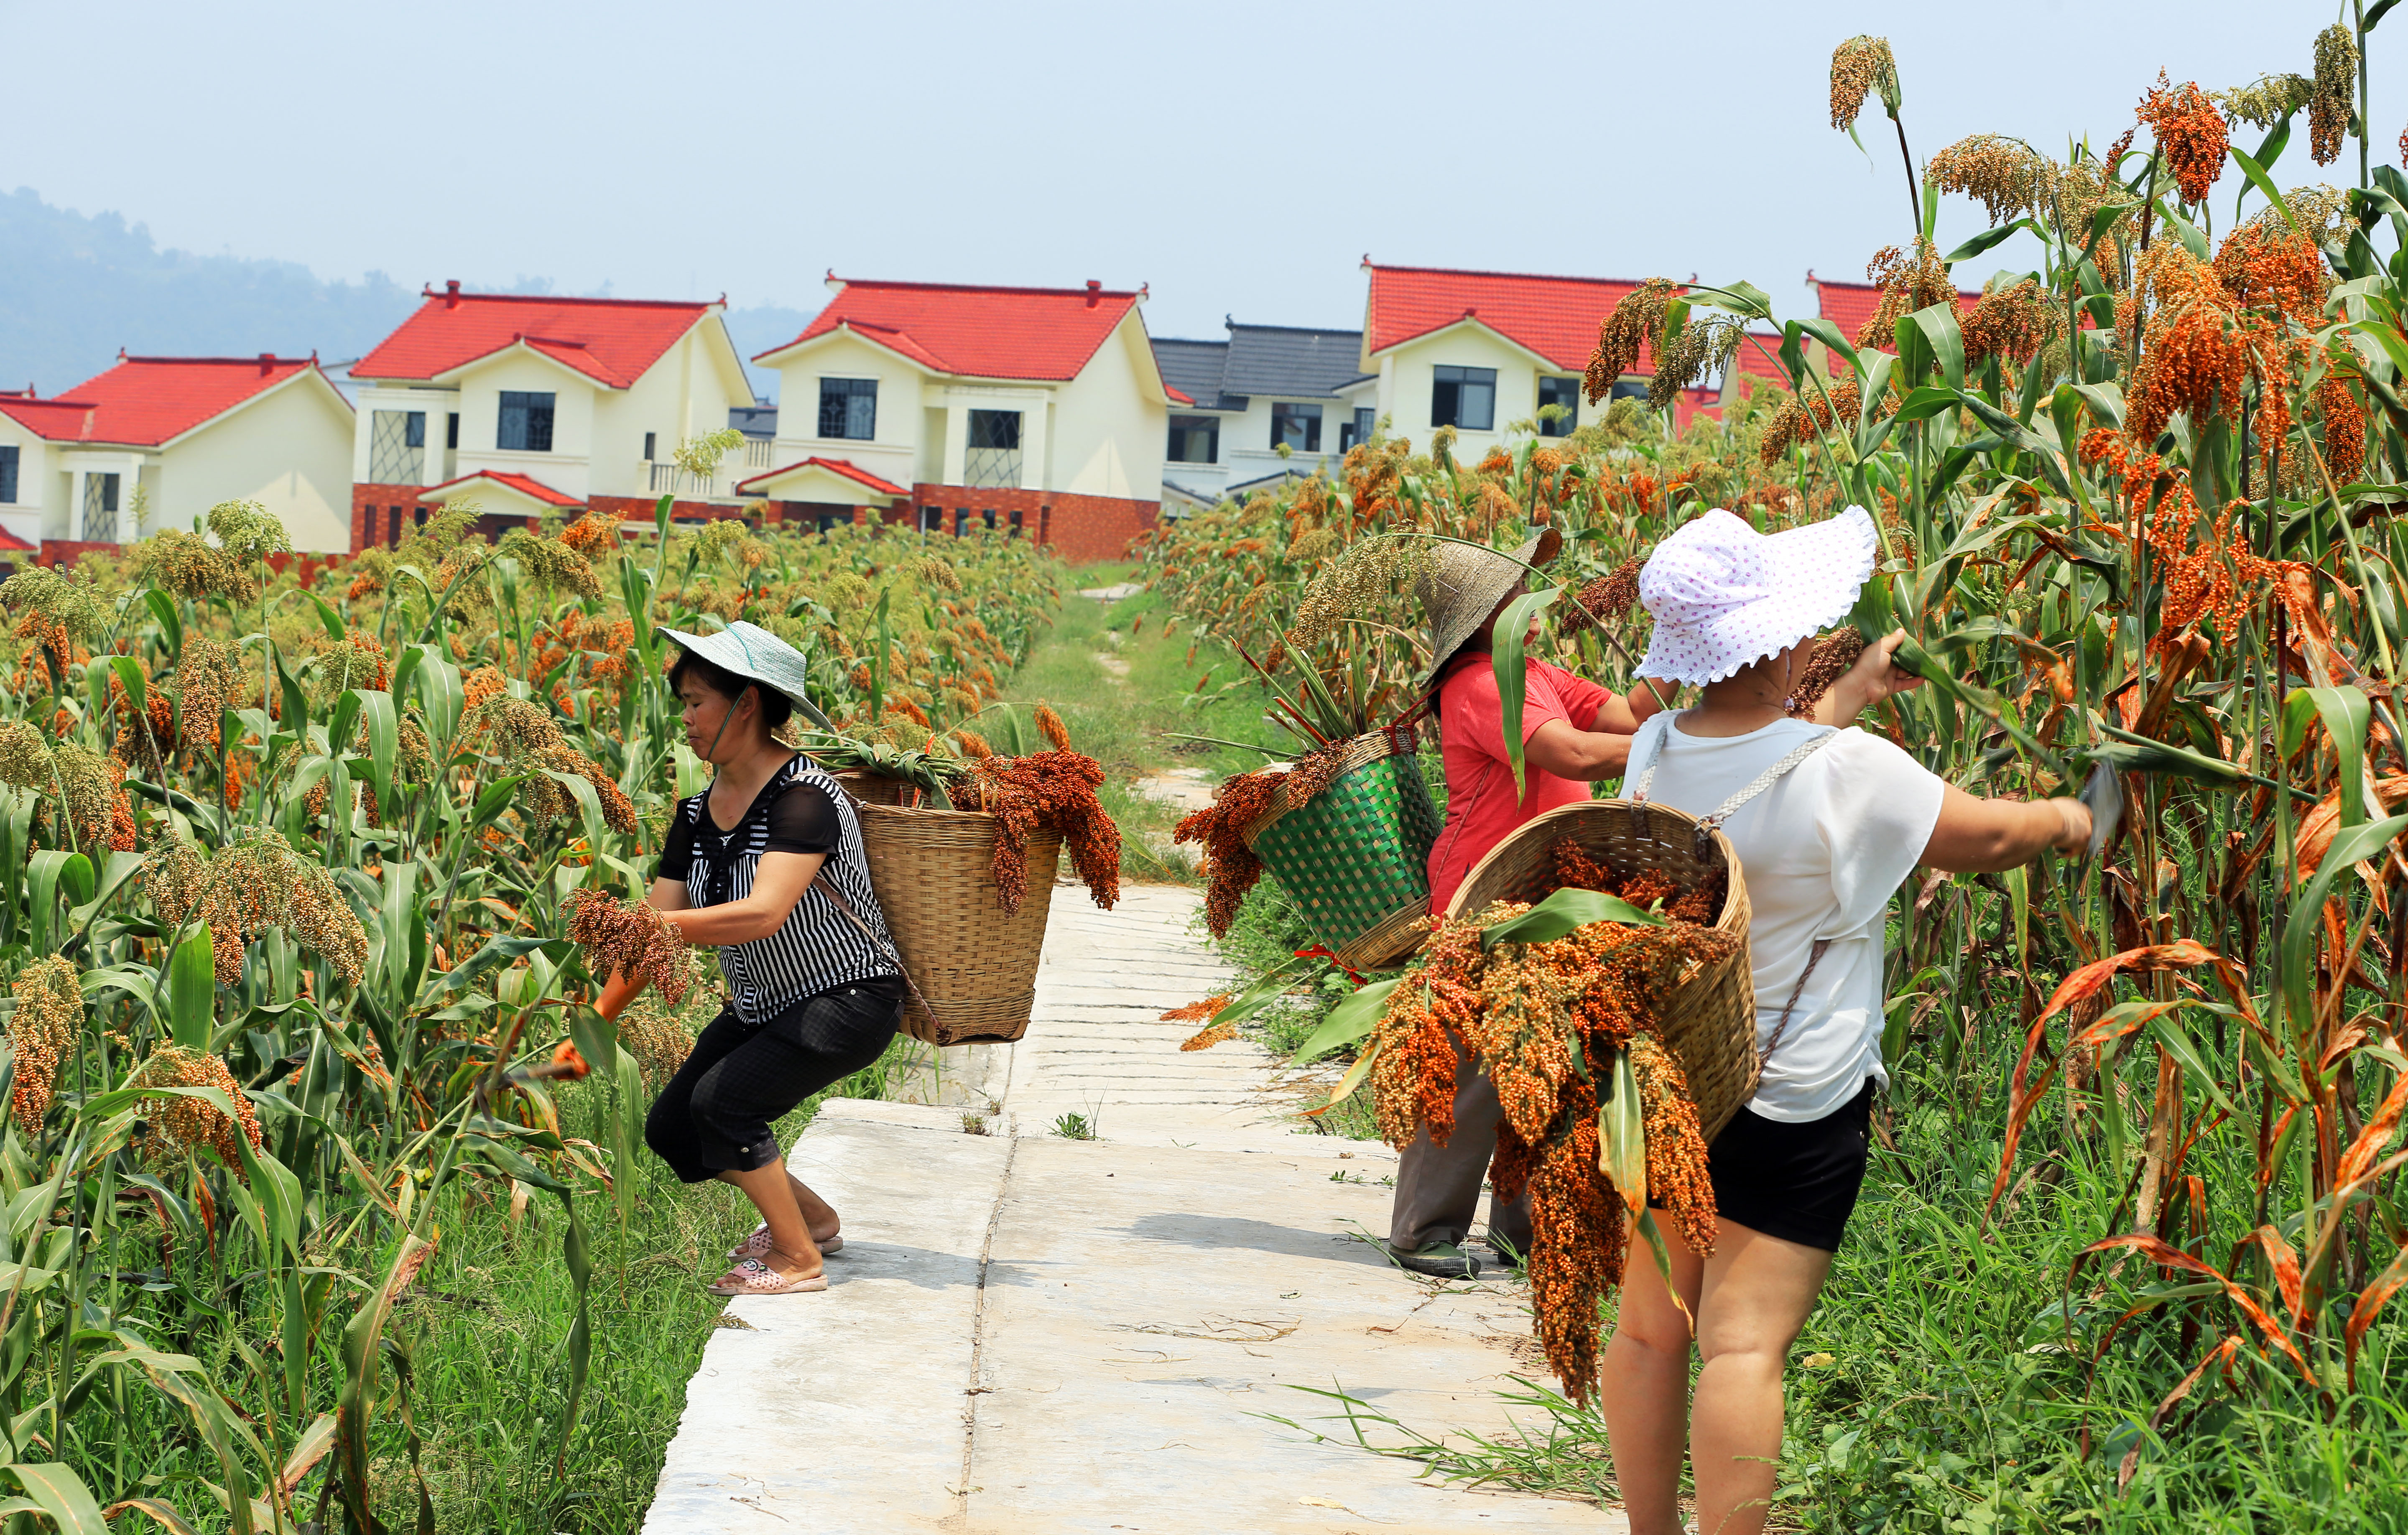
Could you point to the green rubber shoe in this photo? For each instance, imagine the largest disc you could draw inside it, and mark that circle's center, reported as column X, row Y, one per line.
column 1440, row 1259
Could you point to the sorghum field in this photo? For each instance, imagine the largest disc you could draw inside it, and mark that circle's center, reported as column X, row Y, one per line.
column 319, row 1202
column 2128, row 1253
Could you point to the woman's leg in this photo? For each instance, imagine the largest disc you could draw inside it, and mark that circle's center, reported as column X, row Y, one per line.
column 668, row 1124
column 1758, row 1291
column 737, row 1102
column 1644, row 1384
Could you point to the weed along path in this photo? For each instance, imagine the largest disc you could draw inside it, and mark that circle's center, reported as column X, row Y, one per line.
column 1027, row 1332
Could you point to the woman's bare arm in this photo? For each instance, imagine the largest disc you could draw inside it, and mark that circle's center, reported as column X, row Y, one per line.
column 1557, row 748
column 1989, row 835
column 778, row 883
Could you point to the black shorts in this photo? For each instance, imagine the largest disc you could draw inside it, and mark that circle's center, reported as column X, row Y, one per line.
column 1795, row 1182
column 715, row 1115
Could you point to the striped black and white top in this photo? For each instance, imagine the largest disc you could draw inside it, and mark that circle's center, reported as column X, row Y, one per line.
column 818, row 949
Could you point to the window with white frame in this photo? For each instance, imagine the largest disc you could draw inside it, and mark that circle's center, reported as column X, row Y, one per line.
column 1358, row 431
column 8, row 475
column 525, row 424
column 1296, row 426
column 848, row 408
column 1195, row 439
column 1565, row 393
column 1463, row 397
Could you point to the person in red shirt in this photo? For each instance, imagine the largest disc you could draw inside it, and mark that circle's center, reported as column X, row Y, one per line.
column 1573, row 732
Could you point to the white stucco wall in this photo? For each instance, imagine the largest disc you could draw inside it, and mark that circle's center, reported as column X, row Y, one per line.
column 1112, row 423
column 41, row 488
column 290, row 450
column 1406, row 378
column 898, row 452
column 686, row 393
column 568, row 468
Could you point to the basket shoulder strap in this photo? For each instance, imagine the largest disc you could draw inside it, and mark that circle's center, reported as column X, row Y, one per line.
column 1814, row 957
column 881, row 945
column 1763, row 781
column 1646, row 774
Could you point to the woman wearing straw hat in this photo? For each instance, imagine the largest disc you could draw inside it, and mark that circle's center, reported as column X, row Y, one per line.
column 1830, row 823
column 1573, row 732
column 766, row 863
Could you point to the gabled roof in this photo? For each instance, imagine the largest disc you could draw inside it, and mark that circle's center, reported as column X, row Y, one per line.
column 146, row 401
column 1195, row 368
column 12, row 544
column 523, row 485
column 609, row 340
column 1292, row 362
column 1555, row 317
column 1045, row 333
column 843, row 468
column 1849, row 305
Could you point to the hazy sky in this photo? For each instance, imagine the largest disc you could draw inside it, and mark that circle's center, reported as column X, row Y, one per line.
column 1240, row 157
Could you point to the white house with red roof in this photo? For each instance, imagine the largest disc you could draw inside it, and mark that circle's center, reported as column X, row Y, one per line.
column 186, row 433
column 1036, row 408
column 1483, row 351
column 528, row 404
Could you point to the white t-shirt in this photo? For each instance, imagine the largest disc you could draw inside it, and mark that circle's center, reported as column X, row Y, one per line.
column 1822, row 852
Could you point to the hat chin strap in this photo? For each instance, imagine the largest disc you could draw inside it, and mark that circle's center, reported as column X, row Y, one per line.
column 722, row 733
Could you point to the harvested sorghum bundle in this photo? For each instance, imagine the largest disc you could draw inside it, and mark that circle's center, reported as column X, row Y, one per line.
column 1049, row 791
column 632, row 939
column 1544, row 1021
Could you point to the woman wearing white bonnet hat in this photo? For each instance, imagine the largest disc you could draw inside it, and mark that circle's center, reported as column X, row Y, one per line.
column 1842, row 825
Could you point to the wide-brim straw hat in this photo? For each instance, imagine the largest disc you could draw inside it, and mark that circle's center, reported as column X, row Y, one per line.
column 1464, row 585
column 1723, row 594
column 753, row 652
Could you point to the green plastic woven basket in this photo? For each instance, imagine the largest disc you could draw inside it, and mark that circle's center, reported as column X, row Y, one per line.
column 1356, row 858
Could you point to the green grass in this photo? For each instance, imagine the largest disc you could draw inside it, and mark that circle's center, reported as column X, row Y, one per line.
column 1127, row 721
column 487, row 1324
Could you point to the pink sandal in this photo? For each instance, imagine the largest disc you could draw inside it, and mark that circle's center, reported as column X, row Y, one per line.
column 753, row 1277
column 757, row 1245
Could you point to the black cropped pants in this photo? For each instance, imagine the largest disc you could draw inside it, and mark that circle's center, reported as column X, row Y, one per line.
column 717, row 1114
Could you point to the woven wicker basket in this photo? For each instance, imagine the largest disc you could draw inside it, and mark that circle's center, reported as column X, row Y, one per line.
column 1709, row 1022
column 1356, row 856
column 933, row 872
column 878, row 789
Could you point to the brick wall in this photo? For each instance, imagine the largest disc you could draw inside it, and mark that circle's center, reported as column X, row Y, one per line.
column 379, row 512
column 1081, row 529
column 69, row 550
column 639, row 508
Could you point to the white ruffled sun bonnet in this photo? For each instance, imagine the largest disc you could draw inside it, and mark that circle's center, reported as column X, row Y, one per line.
column 1724, row 595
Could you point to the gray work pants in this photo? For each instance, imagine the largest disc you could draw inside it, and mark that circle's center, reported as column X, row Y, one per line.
column 1437, row 1188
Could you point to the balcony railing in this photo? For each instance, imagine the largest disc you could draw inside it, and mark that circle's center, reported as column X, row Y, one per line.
column 756, row 453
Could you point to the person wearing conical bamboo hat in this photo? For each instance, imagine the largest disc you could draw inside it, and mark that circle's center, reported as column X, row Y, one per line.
column 1573, row 733
column 1829, row 822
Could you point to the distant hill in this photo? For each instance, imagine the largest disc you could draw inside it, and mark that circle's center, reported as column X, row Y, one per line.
column 74, row 288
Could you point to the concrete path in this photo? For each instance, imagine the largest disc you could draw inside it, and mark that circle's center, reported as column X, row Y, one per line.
column 1028, row 1333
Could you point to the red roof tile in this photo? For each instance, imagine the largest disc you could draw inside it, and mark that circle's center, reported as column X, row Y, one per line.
column 1555, row 317
column 1849, row 305
column 609, row 340
column 844, row 466
column 976, row 332
column 524, row 484
column 1178, row 397
column 145, row 401
column 12, row 544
